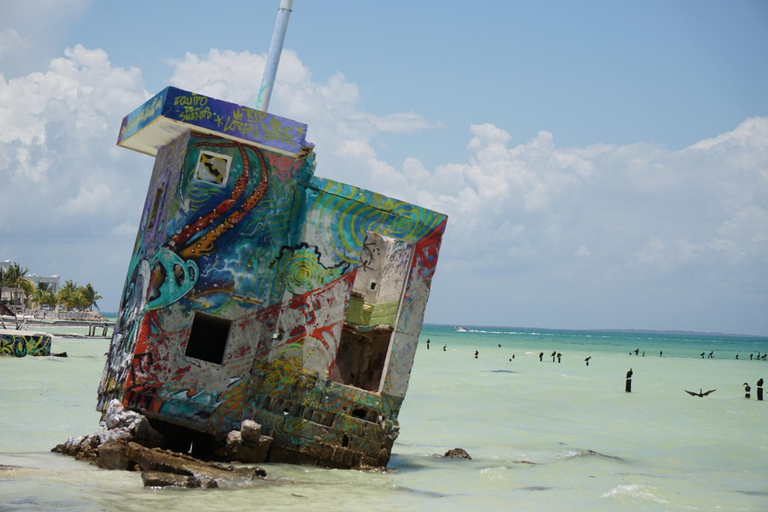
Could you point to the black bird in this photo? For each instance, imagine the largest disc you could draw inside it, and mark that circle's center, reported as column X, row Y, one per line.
column 699, row 394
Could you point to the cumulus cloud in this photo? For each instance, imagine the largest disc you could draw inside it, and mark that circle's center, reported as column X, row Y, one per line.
column 63, row 183
column 12, row 41
column 533, row 225
column 338, row 126
column 637, row 216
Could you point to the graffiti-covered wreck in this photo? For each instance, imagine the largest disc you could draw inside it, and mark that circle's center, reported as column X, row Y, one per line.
column 257, row 291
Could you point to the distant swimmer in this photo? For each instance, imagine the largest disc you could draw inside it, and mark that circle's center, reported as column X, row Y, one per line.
column 444, row 347
column 559, row 355
column 643, row 353
column 760, row 389
column 541, row 356
column 661, row 353
column 747, row 390
column 711, row 355
column 427, row 343
column 763, row 357
column 637, row 351
column 702, row 355
column 737, row 356
column 587, row 360
column 554, row 354
column 476, row 353
column 499, row 345
column 700, row 394
column 628, row 384
column 750, row 356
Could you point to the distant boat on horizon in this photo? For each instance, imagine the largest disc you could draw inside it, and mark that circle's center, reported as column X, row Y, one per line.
column 461, row 329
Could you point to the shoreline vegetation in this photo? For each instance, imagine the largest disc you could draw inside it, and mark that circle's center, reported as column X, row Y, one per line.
column 22, row 298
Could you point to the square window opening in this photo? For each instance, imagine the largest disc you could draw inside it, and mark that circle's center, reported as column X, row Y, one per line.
column 213, row 168
column 208, row 338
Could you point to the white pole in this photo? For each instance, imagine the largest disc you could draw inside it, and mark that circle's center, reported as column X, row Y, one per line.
column 273, row 59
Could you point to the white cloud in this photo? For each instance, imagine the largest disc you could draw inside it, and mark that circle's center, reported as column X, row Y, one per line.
column 61, row 177
column 545, row 222
column 340, row 129
column 11, row 41
column 31, row 32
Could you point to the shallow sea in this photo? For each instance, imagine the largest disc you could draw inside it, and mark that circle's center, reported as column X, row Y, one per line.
column 528, row 426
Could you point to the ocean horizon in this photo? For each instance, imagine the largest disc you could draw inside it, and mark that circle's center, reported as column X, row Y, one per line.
column 542, row 434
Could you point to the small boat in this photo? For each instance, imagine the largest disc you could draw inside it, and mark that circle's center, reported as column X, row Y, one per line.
column 461, row 329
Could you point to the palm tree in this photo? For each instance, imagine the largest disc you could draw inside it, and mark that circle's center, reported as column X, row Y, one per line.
column 38, row 297
column 68, row 294
column 91, row 296
column 81, row 302
column 29, row 291
column 12, row 276
column 49, row 299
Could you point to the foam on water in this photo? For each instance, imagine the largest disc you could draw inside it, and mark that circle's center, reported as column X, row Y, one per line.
column 542, row 435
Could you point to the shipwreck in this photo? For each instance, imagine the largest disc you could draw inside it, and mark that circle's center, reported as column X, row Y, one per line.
column 258, row 291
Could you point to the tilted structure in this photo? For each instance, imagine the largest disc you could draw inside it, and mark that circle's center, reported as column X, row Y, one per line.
column 259, row 291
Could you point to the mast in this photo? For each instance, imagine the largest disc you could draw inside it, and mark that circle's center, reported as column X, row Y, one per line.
column 273, row 59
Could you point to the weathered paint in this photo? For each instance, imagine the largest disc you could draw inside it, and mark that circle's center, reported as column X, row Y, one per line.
column 24, row 343
column 256, row 290
column 173, row 111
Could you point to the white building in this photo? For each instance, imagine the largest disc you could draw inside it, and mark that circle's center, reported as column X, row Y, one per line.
column 54, row 281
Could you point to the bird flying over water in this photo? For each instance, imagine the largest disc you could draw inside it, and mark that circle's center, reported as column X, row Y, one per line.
column 699, row 394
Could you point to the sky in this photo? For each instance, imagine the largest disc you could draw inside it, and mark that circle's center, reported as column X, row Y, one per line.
column 603, row 164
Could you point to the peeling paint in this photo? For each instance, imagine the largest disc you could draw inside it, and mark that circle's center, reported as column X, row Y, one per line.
column 258, row 291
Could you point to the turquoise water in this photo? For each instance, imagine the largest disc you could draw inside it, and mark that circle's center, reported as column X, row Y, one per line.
column 526, row 424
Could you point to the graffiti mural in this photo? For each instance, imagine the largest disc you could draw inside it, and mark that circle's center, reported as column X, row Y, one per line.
column 257, row 290
column 24, row 343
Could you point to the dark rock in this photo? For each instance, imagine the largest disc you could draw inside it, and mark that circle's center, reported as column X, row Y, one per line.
column 159, row 479
column 457, row 453
column 590, row 453
column 145, row 435
column 112, row 455
column 127, row 441
column 250, row 452
column 155, row 460
column 250, row 432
